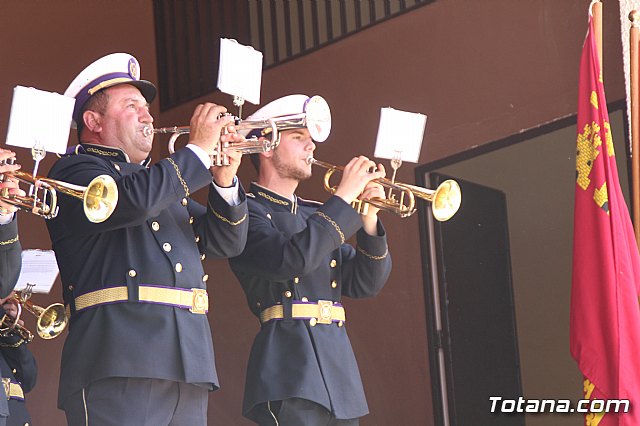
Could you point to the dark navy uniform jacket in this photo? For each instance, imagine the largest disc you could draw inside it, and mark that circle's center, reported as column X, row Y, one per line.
column 16, row 363
column 156, row 236
column 298, row 249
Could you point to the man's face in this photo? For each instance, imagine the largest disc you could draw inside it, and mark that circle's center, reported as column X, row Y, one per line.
column 290, row 157
column 122, row 124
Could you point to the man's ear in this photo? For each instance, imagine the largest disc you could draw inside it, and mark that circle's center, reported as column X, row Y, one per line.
column 267, row 154
column 92, row 121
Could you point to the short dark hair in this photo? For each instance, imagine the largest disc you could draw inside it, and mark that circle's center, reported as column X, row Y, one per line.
column 98, row 102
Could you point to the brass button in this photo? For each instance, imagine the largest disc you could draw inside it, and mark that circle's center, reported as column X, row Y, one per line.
column 14, row 371
column 304, row 299
column 191, row 219
column 117, row 167
column 205, row 277
column 202, row 256
column 258, row 304
column 155, row 226
column 197, row 238
column 184, row 201
column 70, row 288
column 334, row 284
column 166, row 247
column 178, row 267
column 132, row 273
column 268, row 215
column 296, row 280
column 340, row 323
column 333, row 263
column 287, row 294
column 312, row 322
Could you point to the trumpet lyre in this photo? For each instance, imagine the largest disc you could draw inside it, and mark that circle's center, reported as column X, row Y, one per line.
column 99, row 198
column 445, row 199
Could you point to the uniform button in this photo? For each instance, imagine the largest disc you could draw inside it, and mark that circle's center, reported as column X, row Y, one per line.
column 117, row 166
column 296, row 280
column 166, row 247
column 178, row 267
column 304, row 299
column 155, row 226
column 287, row 294
column 184, row 201
column 70, row 288
column 333, row 263
column 132, row 273
column 191, row 219
column 205, row 277
column 268, row 216
column 14, row 371
column 334, row 284
column 340, row 323
column 258, row 304
column 202, row 256
column 197, row 238
column 312, row 322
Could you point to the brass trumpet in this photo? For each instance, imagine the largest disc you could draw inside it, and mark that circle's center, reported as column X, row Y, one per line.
column 99, row 198
column 445, row 199
column 316, row 118
column 51, row 321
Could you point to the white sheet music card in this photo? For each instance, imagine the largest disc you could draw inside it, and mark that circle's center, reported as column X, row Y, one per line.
column 240, row 70
column 402, row 132
column 39, row 117
column 39, row 267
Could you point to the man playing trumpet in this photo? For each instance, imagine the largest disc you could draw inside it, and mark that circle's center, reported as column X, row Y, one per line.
column 294, row 270
column 139, row 349
column 17, row 364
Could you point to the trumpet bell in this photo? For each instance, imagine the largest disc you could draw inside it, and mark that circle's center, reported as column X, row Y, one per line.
column 52, row 321
column 446, row 200
column 100, row 198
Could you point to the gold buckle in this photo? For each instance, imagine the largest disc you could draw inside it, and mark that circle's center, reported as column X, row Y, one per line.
column 324, row 311
column 200, row 301
column 7, row 386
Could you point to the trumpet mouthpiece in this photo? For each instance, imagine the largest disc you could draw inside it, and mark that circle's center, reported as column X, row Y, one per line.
column 310, row 159
column 147, row 131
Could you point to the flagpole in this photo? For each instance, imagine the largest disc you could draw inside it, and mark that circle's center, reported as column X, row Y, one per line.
column 634, row 17
column 596, row 11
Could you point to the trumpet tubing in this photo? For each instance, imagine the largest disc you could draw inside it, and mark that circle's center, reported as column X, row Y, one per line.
column 445, row 199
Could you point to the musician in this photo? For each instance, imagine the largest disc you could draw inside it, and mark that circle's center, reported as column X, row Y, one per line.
column 303, row 371
column 18, row 369
column 17, row 365
column 139, row 348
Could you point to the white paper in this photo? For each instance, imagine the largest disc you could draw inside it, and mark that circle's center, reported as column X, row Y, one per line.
column 400, row 133
column 240, row 70
column 39, row 267
column 40, row 118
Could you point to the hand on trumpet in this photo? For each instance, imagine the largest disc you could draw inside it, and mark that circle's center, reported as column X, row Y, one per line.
column 355, row 177
column 207, row 124
column 8, row 185
column 223, row 175
column 10, row 306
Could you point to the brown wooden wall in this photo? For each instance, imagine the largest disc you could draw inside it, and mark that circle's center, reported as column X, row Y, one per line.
column 481, row 71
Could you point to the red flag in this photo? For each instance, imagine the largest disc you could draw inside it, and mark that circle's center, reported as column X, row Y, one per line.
column 605, row 316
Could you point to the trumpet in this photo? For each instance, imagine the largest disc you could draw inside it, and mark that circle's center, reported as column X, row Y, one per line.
column 99, row 198
column 51, row 321
column 316, row 118
column 445, row 199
